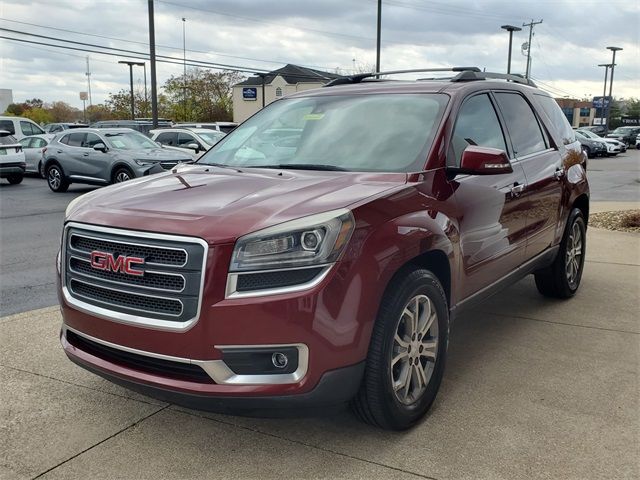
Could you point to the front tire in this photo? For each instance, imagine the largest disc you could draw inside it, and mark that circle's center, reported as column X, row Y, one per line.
column 407, row 352
column 587, row 152
column 562, row 278
column 122, row 174
column 15, row 179
column 41, row 171
column 56, row 179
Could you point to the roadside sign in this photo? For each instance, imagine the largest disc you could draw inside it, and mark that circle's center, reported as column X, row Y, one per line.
column 597, row 102
column 249, row 93
column 84, row 96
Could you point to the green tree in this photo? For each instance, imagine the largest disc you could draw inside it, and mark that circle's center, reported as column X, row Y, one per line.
column 98, row 112
column 38, row 115
column 63, row 112
column 633, row 107
column 119, row 104
column 614, row 115
column 203, row 95
column 16, row 109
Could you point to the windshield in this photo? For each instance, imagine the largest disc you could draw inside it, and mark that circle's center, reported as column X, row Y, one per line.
column 130, row 141
column 6, row 139
column 389, row 133
column 590, row 134
column 622, row 129
column 211, row 137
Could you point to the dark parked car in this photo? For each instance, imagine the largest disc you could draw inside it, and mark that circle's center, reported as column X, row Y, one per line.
column 142, row 126
column 328, row 269
column 599, row 130
column 101, row 157
column 59, row 127
column 590, row 146
column 625, row 134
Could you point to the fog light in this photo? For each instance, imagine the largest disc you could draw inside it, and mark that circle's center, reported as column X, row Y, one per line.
column 279, row 360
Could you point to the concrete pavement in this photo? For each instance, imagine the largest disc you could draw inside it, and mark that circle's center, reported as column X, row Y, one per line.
column 534, row 388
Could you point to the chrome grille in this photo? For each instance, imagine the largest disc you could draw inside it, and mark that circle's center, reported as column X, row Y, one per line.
column 166, row 295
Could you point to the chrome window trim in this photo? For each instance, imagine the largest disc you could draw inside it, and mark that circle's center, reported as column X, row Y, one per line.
column 218, row 370
column 144, row 322
column 535, row 154
column 231, row 291
column 137, row 234
column 128, row 293
column 157, row 272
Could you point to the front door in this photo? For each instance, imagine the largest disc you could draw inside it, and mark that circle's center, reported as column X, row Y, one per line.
column 493, row 218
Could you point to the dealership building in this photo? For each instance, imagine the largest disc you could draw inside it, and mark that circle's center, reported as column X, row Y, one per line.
column 260, row 90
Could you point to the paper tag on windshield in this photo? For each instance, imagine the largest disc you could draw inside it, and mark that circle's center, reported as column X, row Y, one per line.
column 314, row 116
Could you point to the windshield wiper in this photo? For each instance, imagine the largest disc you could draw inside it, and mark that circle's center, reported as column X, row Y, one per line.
column 302, row 166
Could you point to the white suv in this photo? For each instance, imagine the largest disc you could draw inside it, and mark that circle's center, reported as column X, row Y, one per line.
column 20, row 127
column 12, row 162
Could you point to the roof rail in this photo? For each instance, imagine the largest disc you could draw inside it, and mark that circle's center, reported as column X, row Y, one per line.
column 468, row 76
column 349, row 79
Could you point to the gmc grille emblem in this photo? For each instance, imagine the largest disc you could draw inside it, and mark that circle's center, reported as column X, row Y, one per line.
column 122, row 264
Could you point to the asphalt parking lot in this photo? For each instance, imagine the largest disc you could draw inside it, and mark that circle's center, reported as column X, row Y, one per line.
column 534, row 388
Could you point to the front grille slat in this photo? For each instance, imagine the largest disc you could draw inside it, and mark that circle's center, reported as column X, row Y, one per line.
column 166, row 294
column 157, row 281
column 155, row 255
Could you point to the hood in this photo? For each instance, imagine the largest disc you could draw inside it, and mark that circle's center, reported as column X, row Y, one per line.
column 222, row 204
column 155, row 154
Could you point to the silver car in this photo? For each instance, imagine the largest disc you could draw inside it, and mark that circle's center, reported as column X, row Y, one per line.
column 34, row 148
column 103, row 156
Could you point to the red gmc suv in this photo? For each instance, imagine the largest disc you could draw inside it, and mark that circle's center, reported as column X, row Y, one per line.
column 319, row 253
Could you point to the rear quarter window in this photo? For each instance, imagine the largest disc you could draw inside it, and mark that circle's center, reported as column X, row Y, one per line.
column 8, row 126
column 558, row 119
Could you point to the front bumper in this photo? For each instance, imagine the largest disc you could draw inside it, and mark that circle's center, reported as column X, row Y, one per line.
column 334, row 389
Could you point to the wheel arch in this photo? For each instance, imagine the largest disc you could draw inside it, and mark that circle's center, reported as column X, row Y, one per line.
column 582, row 203
column 119, row 165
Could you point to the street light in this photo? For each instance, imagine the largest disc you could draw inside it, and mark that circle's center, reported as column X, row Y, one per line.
column 604, row 93
column 613, row 64
column 131, row 64
column 510, row 29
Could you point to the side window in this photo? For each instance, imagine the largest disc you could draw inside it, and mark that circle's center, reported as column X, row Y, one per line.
column 167, row 138
column 26, row 128
column 522, row 124
column 186, row 139
column 64, row 140
column 477, row 124
column 76, row 139
column 92, row 140
column 39, row 143
column 25, row 142
column 558, row 118
column 8, row 126
column 36, row 129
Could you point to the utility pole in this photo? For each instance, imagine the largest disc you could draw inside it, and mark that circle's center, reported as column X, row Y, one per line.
column 378, row 36
column 88, row 74
column 152, row 54
column 131, row 64
column 510, row 29
column 530, row 25
column 184, row 76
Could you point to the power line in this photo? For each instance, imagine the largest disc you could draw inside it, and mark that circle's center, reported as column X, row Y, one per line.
column 126, row 52
column 146, row 44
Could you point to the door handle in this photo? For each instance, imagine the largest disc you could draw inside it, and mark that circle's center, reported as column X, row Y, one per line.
column 517, row 189
column 85, row 154
column 558, row 174
column 59, row 151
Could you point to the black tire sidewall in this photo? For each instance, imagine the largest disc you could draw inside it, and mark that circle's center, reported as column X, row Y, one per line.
column 418, row 282
column 575, row 217
column 15, row 179
column 122, row 169
column 62, row 179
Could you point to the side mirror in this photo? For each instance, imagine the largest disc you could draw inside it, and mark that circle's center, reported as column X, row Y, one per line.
column 100, row 147
column 483, row 161
column 194, row 146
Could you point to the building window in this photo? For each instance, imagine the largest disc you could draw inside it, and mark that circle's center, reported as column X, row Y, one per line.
column 278, row 92
column 568, row 112
column 585, row 112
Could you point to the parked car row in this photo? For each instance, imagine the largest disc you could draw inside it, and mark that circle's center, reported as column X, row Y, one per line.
column 594, row 145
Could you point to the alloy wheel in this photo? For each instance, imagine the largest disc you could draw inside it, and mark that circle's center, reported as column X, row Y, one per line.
column 415, row 348
column 573, row 258
column 54, row 178
column 122, row 176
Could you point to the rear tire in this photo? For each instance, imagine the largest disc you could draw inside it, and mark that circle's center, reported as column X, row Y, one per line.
column 41, row 171
column 407, row 352
column 562, row 278
column 56, row 180
column 15, row 179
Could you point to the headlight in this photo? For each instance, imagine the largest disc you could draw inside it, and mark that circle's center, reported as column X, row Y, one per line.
column 313, row 240
column 144, row 163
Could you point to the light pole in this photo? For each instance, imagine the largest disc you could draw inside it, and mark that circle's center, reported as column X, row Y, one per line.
column 131, row 64
column 144, row 66
column 613, row 64
column 604, row 93
column 510, row 29
column 184, row 61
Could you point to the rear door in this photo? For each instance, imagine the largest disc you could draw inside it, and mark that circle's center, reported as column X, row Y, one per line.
column 543, row 170
column 493, row 224
column 72, row 158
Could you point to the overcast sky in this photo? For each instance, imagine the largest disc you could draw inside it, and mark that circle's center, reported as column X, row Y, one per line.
column 324, row 34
